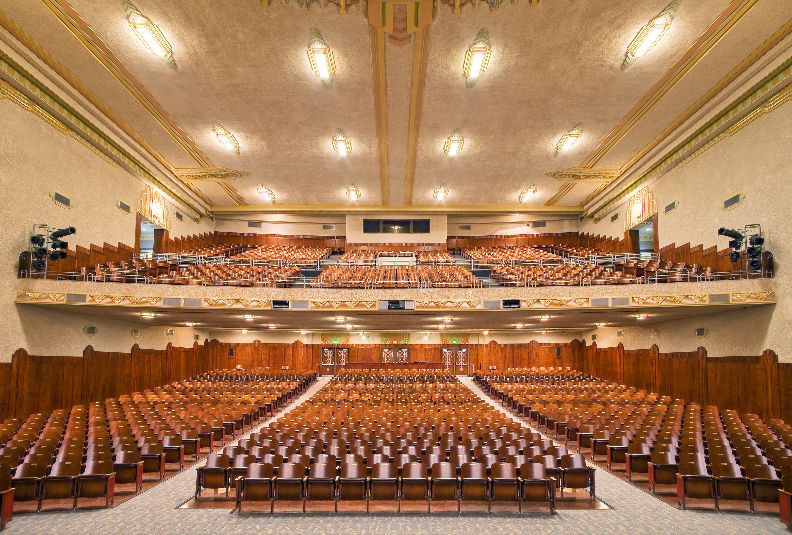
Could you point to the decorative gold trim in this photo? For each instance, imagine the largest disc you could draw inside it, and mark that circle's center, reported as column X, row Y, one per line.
column 782, row 97
column 694, row 108
column 714, row 126
column 448, row 304
column 238, row 303
column 211, row 174
column 130, row 300
column 577, row 302
column 585, row 175
column 753, row 297
column 52, row 297
column 420, row 60
column 670, row 300
column 725, row 21
column 381, row 109
column 233, row 194
column 17, row 80
column 88, row 38
column 563, row 190
column 343, row 305
column 357, row 208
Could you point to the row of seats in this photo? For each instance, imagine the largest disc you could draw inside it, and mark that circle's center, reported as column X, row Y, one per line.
column 354, row 276
column 702, row 451
column 88, row 451
column 400, row 435
column 290, row 254
column 508, row 254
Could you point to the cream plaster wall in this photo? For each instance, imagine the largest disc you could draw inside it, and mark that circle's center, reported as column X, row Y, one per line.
column 284, row 224
column 36, row 160
column 508, row 224
column 756, row 161
column 438, row 229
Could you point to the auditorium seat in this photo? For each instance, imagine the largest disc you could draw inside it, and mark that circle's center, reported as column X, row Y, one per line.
column 213, row 475
column 255, row 485
column 535, row 485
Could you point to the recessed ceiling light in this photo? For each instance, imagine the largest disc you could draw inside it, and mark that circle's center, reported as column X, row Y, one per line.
column 265, row 193
column 545, row 317
column 353, row 193
column 190, row 324
column 600, row 324
column 148, row 315
column 649, row 35
column 447, row 319
column 641, row 317
column 348, row 327
column 477, row 58
column 244, row 331
column 272, row 326
column 321, row 57
column 342, row 144
column 453, row 143
column 441, row 193
column 225, row 138
column 519, row 325
column 441, row 326
column 526, row 194
column 339, row 319
column 568, row 140
column 248, row 317
column 303, row 332
column 148, row 33
column 485, row 333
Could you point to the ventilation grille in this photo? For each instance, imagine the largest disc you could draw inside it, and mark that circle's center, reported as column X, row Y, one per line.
column 328, row 227
column 701, row 332
column 615, row 216
column 671, row 207
column 539, row 224
column 179, row 216
column 90, row 329
column 732, row 201
column 60, row 200
column 124, row 207
column 593, row 337
column 464, row 227
column 254, row 224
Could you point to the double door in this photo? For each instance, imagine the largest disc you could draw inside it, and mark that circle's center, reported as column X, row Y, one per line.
column 456, row 359
column 331, row 358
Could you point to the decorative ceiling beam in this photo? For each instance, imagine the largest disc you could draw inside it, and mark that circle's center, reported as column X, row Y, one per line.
column 88, row 38
column 420, row 60
column 457, row 5
column 381, row 109
column 565, row 188
column 429, row 209
column 585, row 175
column 232, row 193
column 725, row 21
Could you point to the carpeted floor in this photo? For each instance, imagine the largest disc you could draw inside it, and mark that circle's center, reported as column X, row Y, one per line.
column 156, row 511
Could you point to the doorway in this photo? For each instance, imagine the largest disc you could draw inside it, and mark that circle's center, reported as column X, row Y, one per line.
column 150, row 238
column 643, row 237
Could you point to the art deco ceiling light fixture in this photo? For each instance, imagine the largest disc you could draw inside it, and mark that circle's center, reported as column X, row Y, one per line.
column 148, row 33
column 248, row 317
column 545, row 318
column 148, row 315
column 526, row 194
column 641, row 317
column 225, row 138
column 340, row 319
column 441, row 193
column 321, row 57
column 650, row 35
column 477, row 58
column 447, row 319
column 265, row 193
column 353, row 193
column 453, row 143
column 342, row 144
column 568, row 140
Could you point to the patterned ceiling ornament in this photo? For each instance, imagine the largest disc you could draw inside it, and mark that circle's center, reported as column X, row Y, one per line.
column 149, row 33
column 53, row 297
column 400, row 19
column 760, row 297
column 457, row 5
column 152, row 206
column 208, row 174
column 239, row 303
column 585, row 175
column 640, row 207
column 346, row 305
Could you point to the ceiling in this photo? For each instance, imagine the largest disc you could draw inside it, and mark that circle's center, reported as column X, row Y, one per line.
column 322, row 321
column 554, row 64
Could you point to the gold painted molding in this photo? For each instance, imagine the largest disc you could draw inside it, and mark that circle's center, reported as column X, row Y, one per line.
column 420, row 60
column 702, row 101
column 434, row 209
column 585, row 175
column 563, row 190
column 381, row 109
column 208, row 174
column 64, row 12
column 780, row 76
column 725, row 21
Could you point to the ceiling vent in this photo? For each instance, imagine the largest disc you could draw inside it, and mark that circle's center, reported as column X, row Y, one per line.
column 671, row 207
column 60, row 200
column 732, row 201
column 124, row 207
column 615, row 216
column 179, row 216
